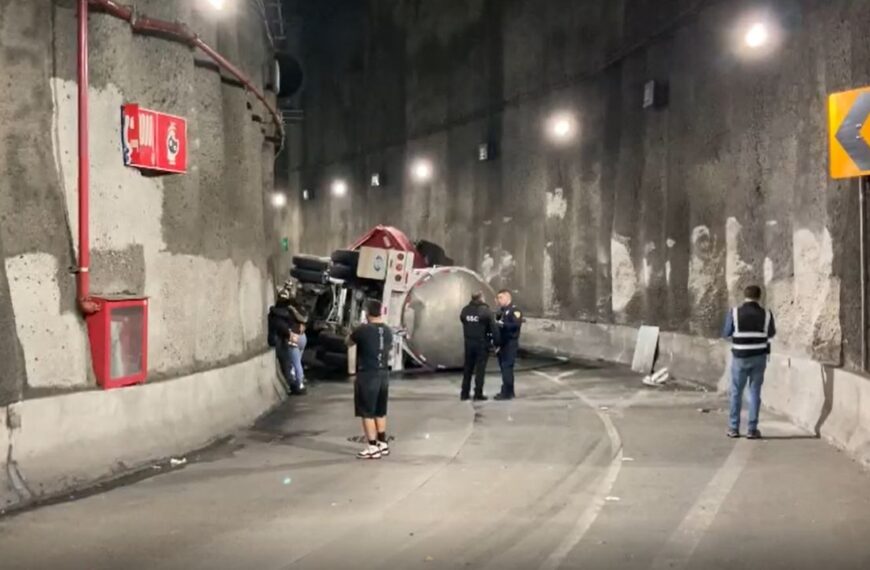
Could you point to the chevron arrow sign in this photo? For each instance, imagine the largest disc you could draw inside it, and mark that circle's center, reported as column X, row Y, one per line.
column 849, row 133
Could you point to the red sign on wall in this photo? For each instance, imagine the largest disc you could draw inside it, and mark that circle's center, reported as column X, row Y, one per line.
column 154, row 141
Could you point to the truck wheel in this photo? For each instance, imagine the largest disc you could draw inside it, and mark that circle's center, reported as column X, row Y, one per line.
column 309, row 276
column 346, row 257
column 331, row 342
column 341, row 271
column 334, row 360
column 311, row 262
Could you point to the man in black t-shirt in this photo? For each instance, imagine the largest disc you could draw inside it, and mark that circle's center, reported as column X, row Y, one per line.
column 374, row 342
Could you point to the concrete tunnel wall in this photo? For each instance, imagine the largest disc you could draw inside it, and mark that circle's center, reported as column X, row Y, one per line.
column 651, row 216
column 199, row 245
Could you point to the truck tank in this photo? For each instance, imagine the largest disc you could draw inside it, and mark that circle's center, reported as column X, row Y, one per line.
column 430, row 314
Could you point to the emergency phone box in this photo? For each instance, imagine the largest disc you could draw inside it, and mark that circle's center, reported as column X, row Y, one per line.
column 119, row 341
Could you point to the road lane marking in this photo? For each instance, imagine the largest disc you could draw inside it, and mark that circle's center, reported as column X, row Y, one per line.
column 680, row 547
column 602, row 489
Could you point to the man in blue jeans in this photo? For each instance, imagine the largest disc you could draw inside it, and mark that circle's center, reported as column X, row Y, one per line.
column 750, row 328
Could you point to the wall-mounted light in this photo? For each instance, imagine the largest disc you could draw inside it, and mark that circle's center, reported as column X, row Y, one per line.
column 279, row 199
column 306, row 194
column 484, row 152
column 561, row 127
column 757, row 36
column 376, row 180
column 655, row 94
column 421, row 170
column 339, row 188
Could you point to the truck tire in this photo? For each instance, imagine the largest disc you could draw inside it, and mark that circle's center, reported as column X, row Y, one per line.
column 311, row 262
column 309, row 276
column 331, row 342
column 341, row 271
column 346, row 257
column 334, row 360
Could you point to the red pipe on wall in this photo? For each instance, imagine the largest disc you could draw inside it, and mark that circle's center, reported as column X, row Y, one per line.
column 179, row 32
column 83, row 277
column 142, row 24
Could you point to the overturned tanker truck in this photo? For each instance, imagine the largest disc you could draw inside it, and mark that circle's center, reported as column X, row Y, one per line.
column 422, row 293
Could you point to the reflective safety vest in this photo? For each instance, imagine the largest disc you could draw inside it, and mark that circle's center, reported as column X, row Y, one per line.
column 751, row 331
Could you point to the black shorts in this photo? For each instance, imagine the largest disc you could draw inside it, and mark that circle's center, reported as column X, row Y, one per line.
column 370, row 393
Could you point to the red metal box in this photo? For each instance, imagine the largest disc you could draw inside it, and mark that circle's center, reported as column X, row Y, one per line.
column 119, row 341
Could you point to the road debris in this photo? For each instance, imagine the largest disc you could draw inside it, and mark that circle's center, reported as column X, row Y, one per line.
column 657, row 379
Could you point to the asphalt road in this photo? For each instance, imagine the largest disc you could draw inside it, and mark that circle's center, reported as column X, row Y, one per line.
column 588, row 469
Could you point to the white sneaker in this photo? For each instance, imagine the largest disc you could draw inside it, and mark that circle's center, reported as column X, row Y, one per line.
column 384, row 448
column 370, row 452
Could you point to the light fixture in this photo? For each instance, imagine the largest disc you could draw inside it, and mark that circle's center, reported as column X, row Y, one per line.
column 339, row 188
column 376, row 180
column 757, row 36
column 421, row 170
column 306, row 194
column 279, row 199
column 217, row 4
column 483, row 152
column 561, row 127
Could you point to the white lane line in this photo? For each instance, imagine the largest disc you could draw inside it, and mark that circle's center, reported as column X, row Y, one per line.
column 602, row 489
column 680, row 547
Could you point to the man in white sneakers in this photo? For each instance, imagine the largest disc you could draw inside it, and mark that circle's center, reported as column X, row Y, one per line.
column 374, row 341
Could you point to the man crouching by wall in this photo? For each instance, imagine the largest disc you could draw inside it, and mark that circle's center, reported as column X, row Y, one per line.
column 750, row 328
column 374, row 342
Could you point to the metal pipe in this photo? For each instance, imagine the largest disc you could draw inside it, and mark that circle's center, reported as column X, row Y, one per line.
column 179, row 32
column 83, row 276
column 862, row 200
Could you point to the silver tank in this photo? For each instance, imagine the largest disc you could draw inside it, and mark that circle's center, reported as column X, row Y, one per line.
column 430, row 314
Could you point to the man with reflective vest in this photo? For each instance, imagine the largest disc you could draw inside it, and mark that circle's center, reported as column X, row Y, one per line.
column 750, row 328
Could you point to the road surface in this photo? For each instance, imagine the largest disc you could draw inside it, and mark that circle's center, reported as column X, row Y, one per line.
column 588, row 469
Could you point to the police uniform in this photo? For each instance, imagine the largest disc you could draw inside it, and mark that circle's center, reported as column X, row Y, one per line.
column 510, row 320
column 480, row 332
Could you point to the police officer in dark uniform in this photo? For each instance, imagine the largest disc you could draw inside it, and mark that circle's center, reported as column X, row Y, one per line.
column 510, row 323
column 480, row 331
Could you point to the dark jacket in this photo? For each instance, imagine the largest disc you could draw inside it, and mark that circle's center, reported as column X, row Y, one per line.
column 478, row 324
column 511, row 320
column 283, row 320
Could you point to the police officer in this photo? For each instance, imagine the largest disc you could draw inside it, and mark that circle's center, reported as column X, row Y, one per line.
column 510, row 322
column 480, row 331
column 750, row 328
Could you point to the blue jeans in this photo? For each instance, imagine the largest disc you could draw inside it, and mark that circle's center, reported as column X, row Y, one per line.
column 296, row 357
column 290, row 360
column 745, row 370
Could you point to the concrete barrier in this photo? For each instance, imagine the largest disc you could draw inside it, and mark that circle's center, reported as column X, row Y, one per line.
column 830, row 402
column 67, row 441
column 8, row 496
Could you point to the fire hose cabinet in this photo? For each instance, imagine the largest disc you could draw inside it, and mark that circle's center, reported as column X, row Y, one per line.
column 119, row 341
